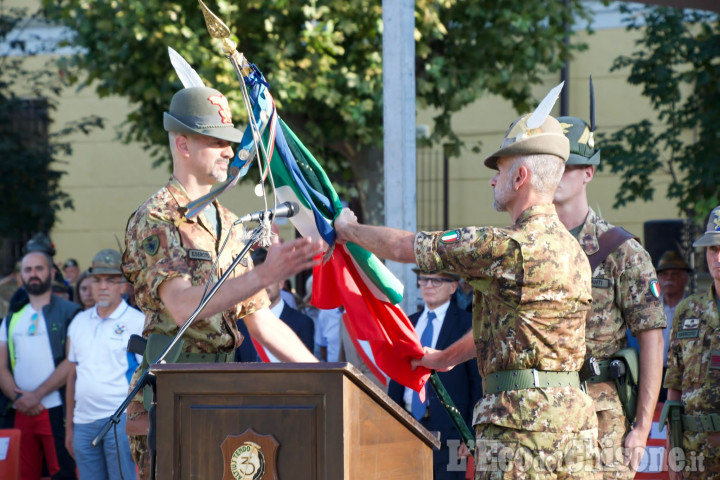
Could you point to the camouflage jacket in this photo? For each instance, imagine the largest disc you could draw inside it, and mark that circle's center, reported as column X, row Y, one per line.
column 694, row 356
column 532, row 294
column 625, row 295
column 161, row 244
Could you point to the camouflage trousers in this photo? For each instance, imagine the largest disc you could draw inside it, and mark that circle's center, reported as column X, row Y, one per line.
column 506, row 453
column 700, row 456
column 136, row 413
column 612, row 430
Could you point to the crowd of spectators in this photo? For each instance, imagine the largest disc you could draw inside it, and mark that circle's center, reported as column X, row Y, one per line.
column 57, row 391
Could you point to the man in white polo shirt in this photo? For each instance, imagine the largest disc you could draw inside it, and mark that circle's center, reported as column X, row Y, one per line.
column 101, row 371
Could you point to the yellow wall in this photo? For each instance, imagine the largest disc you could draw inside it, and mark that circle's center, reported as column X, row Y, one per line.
column 617, row 104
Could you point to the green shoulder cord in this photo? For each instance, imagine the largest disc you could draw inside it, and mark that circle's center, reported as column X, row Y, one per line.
column 457, row 419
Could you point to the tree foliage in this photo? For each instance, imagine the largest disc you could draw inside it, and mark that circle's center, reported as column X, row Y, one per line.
column 31, row 156
column 677, row 63
column 323, row 59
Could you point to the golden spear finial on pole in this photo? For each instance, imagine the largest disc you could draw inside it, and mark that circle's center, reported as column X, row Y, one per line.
column 218, row 29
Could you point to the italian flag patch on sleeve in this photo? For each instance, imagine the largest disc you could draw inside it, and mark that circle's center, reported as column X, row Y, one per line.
column 655, row 289
column 450, row 237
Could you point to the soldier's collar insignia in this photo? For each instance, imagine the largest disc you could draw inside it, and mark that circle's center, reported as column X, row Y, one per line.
column 151, row 244
column 450, row 237
column 655, row 288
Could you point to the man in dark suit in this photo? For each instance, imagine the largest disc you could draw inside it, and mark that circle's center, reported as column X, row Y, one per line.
column 463, row 383
column 301, row 324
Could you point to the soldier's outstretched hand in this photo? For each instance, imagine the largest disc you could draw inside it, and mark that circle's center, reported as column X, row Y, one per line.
column 345, row 220
column 287, row 259
column 433, row 359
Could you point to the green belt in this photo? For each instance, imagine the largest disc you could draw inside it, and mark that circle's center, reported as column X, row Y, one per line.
column 220, row 357
column 604, row 372
column 531, row 378
column 187, row 357
column 701, row 423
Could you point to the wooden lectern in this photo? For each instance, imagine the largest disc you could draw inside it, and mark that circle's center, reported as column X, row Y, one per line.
column 317, row 421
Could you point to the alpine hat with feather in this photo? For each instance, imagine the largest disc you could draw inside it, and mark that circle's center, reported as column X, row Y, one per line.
column 711, row 237
column 534, row 133
column 202, row 111
column 581, row 136
column 582, row 151
column 548, row 138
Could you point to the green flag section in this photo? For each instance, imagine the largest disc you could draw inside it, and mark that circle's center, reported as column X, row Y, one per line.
column 305, row 182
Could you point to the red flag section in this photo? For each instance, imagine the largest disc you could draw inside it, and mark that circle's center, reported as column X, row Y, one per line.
column 376, row 371
column 260, row 351
column 385, row 326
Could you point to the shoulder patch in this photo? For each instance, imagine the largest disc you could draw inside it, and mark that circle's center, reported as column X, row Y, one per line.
column 151, row 244
column 451, row 236
column 655, row 288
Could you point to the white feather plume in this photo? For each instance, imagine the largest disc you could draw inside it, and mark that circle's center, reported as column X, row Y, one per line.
column 543, row 110
column 188, row 76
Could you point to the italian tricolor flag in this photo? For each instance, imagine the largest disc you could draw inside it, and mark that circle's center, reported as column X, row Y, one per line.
column 352, row 276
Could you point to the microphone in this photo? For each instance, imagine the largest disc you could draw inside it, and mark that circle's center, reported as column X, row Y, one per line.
column 283, row 210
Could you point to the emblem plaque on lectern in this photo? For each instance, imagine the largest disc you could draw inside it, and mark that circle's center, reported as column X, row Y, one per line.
column 250, row 456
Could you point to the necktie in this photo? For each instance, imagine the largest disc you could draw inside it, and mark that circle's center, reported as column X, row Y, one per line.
column 419, row 408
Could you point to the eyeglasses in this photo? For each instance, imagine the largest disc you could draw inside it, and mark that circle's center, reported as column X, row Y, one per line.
column 33, row 324
column 434, row 281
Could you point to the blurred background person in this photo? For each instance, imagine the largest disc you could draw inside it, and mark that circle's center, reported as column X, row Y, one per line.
column 39, row 243
column 288, row 295
column 327, row 334
column 60, row 286
column 463, row 296
column 83, row 291
column 673, row 277
column 129, row 295
column 34, row 370
column 8, row 286
column 71, row 272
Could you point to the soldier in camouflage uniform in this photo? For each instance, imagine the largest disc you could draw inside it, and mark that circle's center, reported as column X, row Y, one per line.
column 693, row 375
column 169, row 258
column 625, row 295
column 532, row 294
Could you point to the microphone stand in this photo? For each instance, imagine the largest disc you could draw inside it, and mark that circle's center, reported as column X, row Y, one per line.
column 149, row 378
